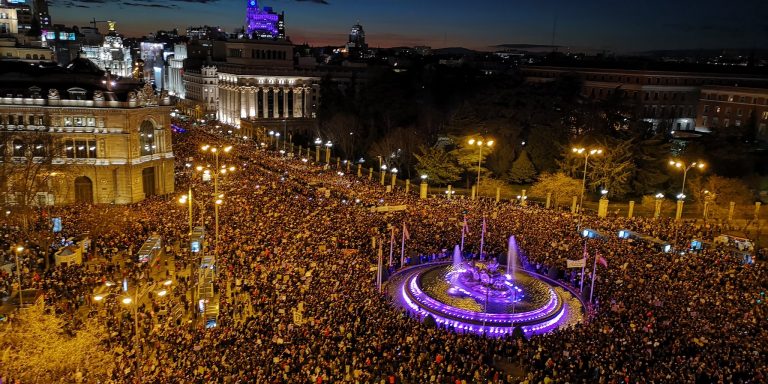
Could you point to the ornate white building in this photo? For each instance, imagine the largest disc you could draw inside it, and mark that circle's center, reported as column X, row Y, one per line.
column 257, row 97
column 176, row 71
column 111, row 56
column 91, row 140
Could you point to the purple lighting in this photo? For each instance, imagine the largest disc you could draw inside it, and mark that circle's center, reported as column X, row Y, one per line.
column 262, row 23
column 548, row 313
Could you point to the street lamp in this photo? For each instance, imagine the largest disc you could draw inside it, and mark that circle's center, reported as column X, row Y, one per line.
column 19, row 249
column 218, row 169
column 586, row 153
column 133, row 301
column 685, row 167
column 480, row 143
column 277, row 140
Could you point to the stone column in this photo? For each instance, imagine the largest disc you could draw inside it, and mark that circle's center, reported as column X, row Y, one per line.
column 423, row 190
column 474, row 192
column 602, row 208
column 243, row 104
column 275, row 101
column 285, row 103
column 359, row 170
column 549, row 200
column 450, row 190
column 524, row 201
column 407, row 186
column 297, row 102
column 498, row 194
column 252, row 103
column 573, row 204
column 679, row 212
column 307, row 102
column 757, row 210
column 264, row 103
column 631, row 209
column 370, row 174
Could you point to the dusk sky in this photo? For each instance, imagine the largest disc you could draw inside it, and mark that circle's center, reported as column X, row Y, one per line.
column 617, row 25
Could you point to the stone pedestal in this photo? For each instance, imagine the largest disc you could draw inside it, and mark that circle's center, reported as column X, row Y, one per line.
column 423, row 190
column 602, row 208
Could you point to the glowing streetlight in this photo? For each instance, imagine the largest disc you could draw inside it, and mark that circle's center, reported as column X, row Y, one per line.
column 685, row 168
column 480, row 143
column 586, row 153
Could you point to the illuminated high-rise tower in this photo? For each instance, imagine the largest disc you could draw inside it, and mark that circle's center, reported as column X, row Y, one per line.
column 264, row 23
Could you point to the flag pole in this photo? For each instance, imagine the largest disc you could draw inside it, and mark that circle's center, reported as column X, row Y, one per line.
column 583, row 265
column 391, row 245
column 402, row 248
column 594, row 275
column 482, row 239
column 379, row 266
column 463, row 229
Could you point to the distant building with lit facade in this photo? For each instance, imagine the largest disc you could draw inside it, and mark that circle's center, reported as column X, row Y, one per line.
column 109, row 140
column 251, row 81
column 111, row 55
column 257, row 80
column 9, row 20
column 356, row 46
column 263, row 23
column 176, row 70
column 668, row 100
column 737, row 108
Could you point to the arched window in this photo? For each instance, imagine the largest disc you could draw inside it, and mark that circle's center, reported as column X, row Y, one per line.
column 38, row 149
column 147, row 138
column 18, row 148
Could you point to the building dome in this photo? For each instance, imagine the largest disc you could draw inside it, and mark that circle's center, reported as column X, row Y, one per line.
column 83, row 65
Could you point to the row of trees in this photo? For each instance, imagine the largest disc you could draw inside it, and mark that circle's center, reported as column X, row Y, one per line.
column 416, row 122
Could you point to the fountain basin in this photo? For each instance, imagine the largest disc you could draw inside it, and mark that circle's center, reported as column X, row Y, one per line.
column 492, row 305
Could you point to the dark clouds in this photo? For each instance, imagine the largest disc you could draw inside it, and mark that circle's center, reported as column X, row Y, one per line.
column 314, row 1
column 167, row 4
column 149, row 5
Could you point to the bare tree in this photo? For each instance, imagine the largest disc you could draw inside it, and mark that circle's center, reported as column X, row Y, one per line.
column 29, row 162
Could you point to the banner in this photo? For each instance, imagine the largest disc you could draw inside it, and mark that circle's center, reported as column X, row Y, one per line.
column 576, row 263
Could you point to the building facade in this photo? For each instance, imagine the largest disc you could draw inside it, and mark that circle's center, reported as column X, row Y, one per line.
column 111, row 55
column 9, row 21
column 668, row 100
column 176, row 71
column 266, row 97
column 201, row 87
column 103, row 143
column 263, row 23
column 736, row 108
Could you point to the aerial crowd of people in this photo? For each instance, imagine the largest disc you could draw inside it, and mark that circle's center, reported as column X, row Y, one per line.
column 298, row 301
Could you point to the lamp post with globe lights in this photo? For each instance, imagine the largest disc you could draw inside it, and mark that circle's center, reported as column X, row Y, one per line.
column 685, row 168
column 218, row 198
column 133, row 301
column 480, row 143
column 581, row 151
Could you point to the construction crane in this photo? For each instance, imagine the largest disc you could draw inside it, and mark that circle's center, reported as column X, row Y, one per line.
column 110, row 23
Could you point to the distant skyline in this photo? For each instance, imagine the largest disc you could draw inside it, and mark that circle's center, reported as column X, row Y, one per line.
column 620, row 26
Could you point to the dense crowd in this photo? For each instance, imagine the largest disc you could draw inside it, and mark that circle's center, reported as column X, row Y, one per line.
column 299, row 305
